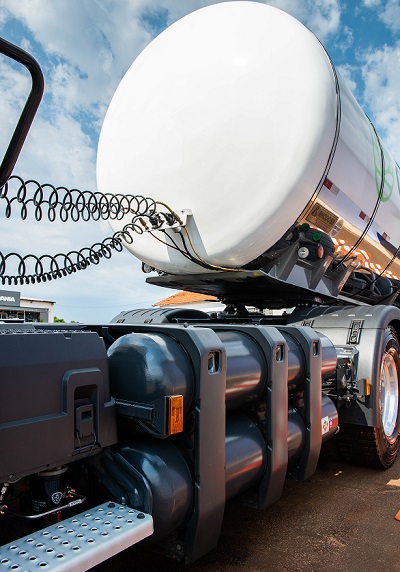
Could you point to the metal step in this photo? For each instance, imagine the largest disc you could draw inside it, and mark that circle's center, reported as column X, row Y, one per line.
column 78, row 543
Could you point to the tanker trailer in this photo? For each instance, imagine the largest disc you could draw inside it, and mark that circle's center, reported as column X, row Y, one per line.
column 264, row 157
column 276, row 192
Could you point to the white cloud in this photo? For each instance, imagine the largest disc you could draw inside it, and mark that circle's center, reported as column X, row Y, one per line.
column 380, row 72
column 87, row 40
column 323, row 17
column 390, row 15
column 59, row 148
column 389, row 12
column 347, row 39
column 371, row 3
column 347, row 72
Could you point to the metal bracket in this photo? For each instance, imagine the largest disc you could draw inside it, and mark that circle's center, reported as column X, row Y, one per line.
column 180, row 221
column 318, row 272
column 286, row 262
column 340, row 278
column 154, row 413
column 208, row 356
column 311, row 346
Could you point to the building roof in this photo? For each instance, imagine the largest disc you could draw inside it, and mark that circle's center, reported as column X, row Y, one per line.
column 36, row 300
column 186, row 298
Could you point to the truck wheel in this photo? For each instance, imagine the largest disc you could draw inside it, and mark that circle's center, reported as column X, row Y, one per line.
column 378, row 446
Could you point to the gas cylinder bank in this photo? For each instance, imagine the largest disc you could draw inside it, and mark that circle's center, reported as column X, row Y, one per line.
column 275, row 193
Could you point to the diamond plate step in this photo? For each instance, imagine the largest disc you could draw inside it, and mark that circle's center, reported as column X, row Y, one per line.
column 78, row 543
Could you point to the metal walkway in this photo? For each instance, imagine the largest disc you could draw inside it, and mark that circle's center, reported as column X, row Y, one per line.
column 78, row 543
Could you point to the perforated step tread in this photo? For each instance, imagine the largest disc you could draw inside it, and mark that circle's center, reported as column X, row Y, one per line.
column 78, row 543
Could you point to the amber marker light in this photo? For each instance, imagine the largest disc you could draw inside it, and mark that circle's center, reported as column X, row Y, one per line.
column 175, row 414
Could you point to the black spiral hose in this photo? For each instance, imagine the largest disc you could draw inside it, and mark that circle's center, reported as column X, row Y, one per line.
column 48, row 201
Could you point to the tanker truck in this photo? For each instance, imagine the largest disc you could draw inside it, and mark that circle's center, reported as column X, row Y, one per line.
column 274, row 192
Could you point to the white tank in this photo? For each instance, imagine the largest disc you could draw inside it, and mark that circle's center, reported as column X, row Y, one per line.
column 236, row 113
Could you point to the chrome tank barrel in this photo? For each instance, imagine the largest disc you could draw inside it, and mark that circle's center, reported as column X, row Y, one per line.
column 254, row 131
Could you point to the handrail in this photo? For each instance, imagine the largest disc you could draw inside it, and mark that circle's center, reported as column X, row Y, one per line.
column 29, row 111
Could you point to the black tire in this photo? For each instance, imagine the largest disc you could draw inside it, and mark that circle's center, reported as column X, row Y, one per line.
column 377, row 446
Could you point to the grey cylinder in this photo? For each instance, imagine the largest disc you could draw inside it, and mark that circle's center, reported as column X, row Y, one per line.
column 155, row 478
column 296, row 434
column 146, row 367
column 329, row 358
column 245, row 454
column 296, row 362
column 246, row 368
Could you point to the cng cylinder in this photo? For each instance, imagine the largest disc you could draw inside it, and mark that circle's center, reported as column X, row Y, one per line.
column 237, row 113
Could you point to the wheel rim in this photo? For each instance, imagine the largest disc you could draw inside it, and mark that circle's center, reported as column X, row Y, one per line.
column 390, row 395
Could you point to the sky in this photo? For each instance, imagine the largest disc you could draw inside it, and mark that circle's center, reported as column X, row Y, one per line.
column 84, row 47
